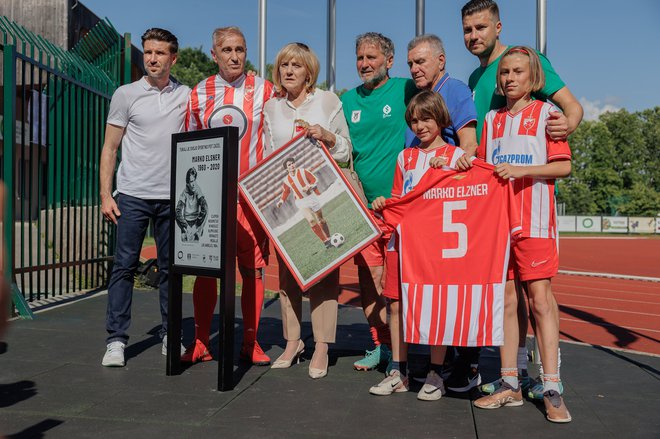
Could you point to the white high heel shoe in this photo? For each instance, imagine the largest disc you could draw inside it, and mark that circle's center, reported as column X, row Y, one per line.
column 318, row 373
column 284, row 364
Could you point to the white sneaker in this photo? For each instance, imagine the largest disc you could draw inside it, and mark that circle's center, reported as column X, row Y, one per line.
column 114, row 354
column 394, row 382
column 163, row 349
column 433, row 388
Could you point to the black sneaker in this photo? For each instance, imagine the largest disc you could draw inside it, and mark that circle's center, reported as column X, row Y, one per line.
column 463, row 378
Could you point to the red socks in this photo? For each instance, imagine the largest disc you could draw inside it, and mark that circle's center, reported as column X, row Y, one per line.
column 318, row 230
column 252, row 300
column 325, row 227
column 205, row 296
column 381, row 335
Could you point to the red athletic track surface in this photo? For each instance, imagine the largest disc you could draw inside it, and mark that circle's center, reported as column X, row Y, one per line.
column 608, row 312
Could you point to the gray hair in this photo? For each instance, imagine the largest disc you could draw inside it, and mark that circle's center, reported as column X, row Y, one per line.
column 386, row 45
column 223, row 32
column 433, row 41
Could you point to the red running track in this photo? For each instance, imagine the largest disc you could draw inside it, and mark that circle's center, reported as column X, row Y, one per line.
column 616, row 313
column 626, row 255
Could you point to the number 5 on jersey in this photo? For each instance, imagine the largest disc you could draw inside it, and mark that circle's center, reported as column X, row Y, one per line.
column 449, row 226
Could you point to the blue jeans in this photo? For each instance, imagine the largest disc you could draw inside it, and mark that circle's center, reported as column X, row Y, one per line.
column 131, row 227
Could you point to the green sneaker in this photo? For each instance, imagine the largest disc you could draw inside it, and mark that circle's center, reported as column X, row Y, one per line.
column 372, row 359
column 490, row 388
column 536, row 390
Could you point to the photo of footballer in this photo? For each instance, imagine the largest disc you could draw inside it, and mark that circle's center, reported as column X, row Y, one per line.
column 312, row 216
column 303, row 185
column 191, row 209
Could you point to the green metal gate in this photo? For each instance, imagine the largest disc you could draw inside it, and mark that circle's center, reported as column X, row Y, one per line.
column 54, row 108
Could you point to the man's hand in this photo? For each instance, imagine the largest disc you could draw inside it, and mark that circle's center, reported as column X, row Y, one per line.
column 464, row 162
column 378, row 203
column 279, row 203
column 557, row 125
column 109, row 209
column 309, row 189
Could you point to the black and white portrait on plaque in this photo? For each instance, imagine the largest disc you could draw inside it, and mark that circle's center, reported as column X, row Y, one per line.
column 191, row 209
column 197, row 237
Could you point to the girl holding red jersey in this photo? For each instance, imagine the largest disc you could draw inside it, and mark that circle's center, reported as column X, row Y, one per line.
column 514, row 139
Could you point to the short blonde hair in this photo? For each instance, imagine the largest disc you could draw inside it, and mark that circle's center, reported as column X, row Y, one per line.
column 307, row 58
column 536, row 74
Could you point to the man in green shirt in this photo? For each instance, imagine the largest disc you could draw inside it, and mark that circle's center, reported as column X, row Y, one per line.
column 375, row 113
column 481, row 35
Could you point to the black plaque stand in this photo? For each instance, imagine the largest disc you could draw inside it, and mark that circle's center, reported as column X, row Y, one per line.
column 227, row 271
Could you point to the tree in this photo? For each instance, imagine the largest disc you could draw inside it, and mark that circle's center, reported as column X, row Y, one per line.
column 616, row 165
column 642, row 200
column 193, row 65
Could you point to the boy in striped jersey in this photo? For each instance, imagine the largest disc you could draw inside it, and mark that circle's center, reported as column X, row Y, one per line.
column 426, row 115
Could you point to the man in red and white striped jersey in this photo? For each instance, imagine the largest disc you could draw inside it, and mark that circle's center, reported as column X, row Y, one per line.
column 232, row 98
column 302, row 183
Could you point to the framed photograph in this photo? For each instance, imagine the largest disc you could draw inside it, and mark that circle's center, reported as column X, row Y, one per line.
column 310, row 212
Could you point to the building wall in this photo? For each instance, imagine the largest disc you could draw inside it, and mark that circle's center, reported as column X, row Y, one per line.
column 49, row 18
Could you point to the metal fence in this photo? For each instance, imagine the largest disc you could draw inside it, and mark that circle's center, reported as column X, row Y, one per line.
column 54, row 108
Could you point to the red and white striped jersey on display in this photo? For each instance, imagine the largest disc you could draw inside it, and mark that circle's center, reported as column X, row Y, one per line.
column 521, row 140
column 215, row 103
column 412, row 164
column 454, row 232
column 297, row 183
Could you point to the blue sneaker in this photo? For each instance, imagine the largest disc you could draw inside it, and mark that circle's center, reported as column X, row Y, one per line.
column 490, row 388
column 536, row 390
column 372, row 359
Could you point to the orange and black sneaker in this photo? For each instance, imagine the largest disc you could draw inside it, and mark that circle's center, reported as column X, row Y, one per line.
column 196, row 352
column 252, row 353
column 555, row 409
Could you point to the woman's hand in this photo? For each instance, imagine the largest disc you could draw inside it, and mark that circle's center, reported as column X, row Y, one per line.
column 319, row 133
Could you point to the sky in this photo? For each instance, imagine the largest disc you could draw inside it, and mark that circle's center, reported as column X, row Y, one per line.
column 606, row 51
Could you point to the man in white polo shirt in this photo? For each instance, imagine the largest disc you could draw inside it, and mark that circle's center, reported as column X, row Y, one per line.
column 142, row 117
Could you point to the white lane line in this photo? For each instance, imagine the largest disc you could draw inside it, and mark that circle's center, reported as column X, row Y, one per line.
column 632, row 328
column 604, row 298
column 608, row 237
column 610, row 275
column 609, row 309
column 556, row 285
column 613, row 348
